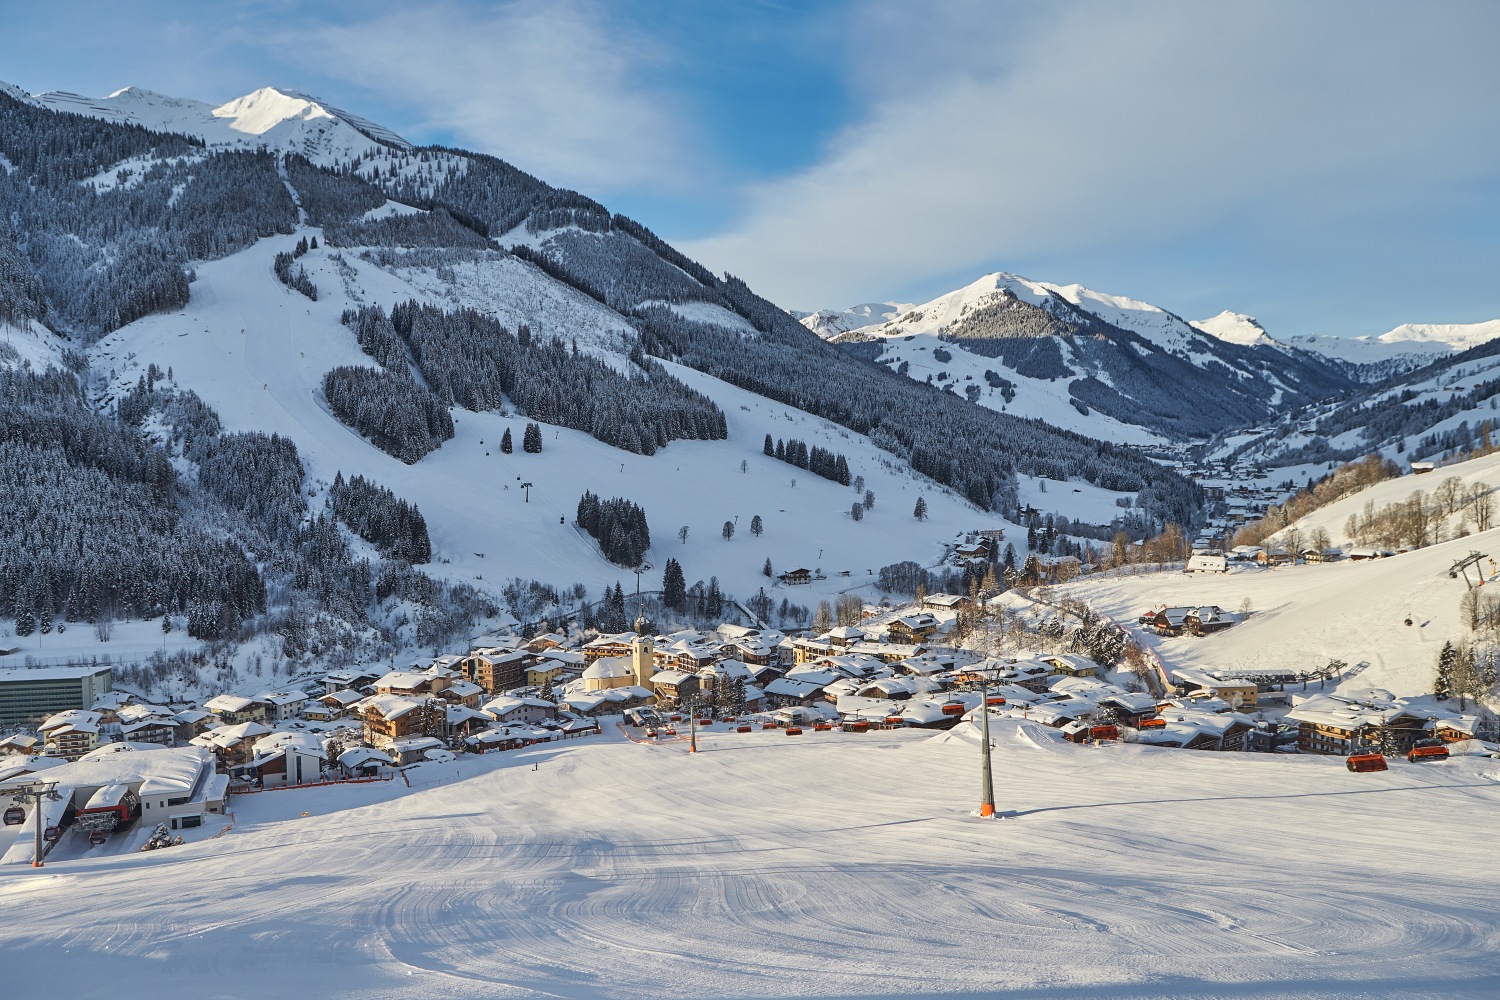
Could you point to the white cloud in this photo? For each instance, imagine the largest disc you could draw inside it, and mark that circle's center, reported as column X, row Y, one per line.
column 549, row 86
column 1117, row 125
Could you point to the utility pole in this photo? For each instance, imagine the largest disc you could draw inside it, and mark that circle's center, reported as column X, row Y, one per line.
column 527, row 488
column 38, row 792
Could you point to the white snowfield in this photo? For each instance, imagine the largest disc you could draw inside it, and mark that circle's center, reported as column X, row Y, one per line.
column 257, row 351
column 1305, row 616
column 831, row 865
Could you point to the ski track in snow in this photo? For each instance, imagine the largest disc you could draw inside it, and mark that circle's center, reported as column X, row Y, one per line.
column 836, row 865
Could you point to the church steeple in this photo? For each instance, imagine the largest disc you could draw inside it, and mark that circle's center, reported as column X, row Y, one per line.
column 642, row 653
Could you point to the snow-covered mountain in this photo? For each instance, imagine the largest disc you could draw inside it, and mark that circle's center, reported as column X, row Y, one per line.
column 829, row 323
column 1236, row 328
column 274, row 118
column 242, row 325
column 1082, row 358
column 1453, row 336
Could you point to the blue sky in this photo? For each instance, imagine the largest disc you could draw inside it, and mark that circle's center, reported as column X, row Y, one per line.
column 1329, row 167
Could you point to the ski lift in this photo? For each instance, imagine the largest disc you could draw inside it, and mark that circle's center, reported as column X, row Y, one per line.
column 15, row 816
column 995, row 699
column 822, row 727
column 52, row 834
column 1105, row 732
column 953, row 708
column 1156, row 723
column 859, row 726
column 1429, row 749
column 768, row 725
column 895, row 720
column 794, row 731
column 1364, row 759
column 744, row 729
column 97, row 837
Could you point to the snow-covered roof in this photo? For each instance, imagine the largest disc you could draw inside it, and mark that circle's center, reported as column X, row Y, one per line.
column 607, row 667
column 228, row 703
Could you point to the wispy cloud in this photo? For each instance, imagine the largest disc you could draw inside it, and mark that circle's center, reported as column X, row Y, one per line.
column 554, row 87
column 1119, row 125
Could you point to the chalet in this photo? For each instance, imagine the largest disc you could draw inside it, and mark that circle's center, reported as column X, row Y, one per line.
column 1276, row 557
column 157, row 727
column 334, row 705
column 795, row 577
column 888, row 652
column 232, row 745
column 1422, row 468
column 1190, row 730
column 282, row 759
column 1455, row 730
column 971, row 551
column 1205, row 563
column 1167, row 621
column 673, row 688
column 507, row 710
column 1312, row 556
column 948, row 602
column 807, row 650
column 391, row 717
column 281, row 705
column 363, row 762
column 912, row 628
column 760, row 650
column 617, row 644
column 606, row 701
column 496, row 670
column 844, row 636
column 543, row 672
column 1071, row 666
column 351, row 680
column 1334, row 724
column 545, row 641
column 192, row 722
column 454, row 722
column 1209, row 619
column 413, row 749
column 1366, row 554
column 1241, row 695
column 786, row 691
column 18, row 743
column 233, row 709
column 1130, row 708
column 70, row 734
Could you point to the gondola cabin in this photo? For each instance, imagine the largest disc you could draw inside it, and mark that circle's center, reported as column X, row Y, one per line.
column 1365, row 759
column 895, row 720
column 1424, row 750
column 97, row 837
column 15, row 816
column 822, row 727
column 1107, row 732
column 995, row 699
column 744, row 729
column 52, row 834
column 768, row 725
column 115, row 798
column 1157, row 723
column 953, row 708
column 794, row 730
column 857, row 727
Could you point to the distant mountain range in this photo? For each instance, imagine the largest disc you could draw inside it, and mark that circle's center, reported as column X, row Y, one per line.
column 1033, row 347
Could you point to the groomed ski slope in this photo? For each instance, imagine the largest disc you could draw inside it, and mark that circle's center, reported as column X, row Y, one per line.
column 832, row 865
column 256, row 351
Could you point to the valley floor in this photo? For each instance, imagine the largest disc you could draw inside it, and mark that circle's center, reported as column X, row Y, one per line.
column 831, row 865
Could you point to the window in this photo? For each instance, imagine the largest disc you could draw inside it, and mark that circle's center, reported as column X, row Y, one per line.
column 189, row 822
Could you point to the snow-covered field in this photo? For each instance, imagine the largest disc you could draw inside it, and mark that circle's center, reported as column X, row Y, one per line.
column 1304, row 616
column 828, row 865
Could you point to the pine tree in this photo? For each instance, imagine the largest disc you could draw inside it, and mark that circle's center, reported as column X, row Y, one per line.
column 857, row 511
column 166, row 624
column 756, row 526
column 673, row 586
column 920, row 513
column 531, row 440
column 25, row 621
column 766, row 569
column 505, row 446
column 1442, row 687
column 770, row 447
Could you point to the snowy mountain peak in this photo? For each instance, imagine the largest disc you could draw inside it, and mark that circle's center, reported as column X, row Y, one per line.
column 829, row 323
column 271, row 117
column 1236, row 328
column 1458, row 336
